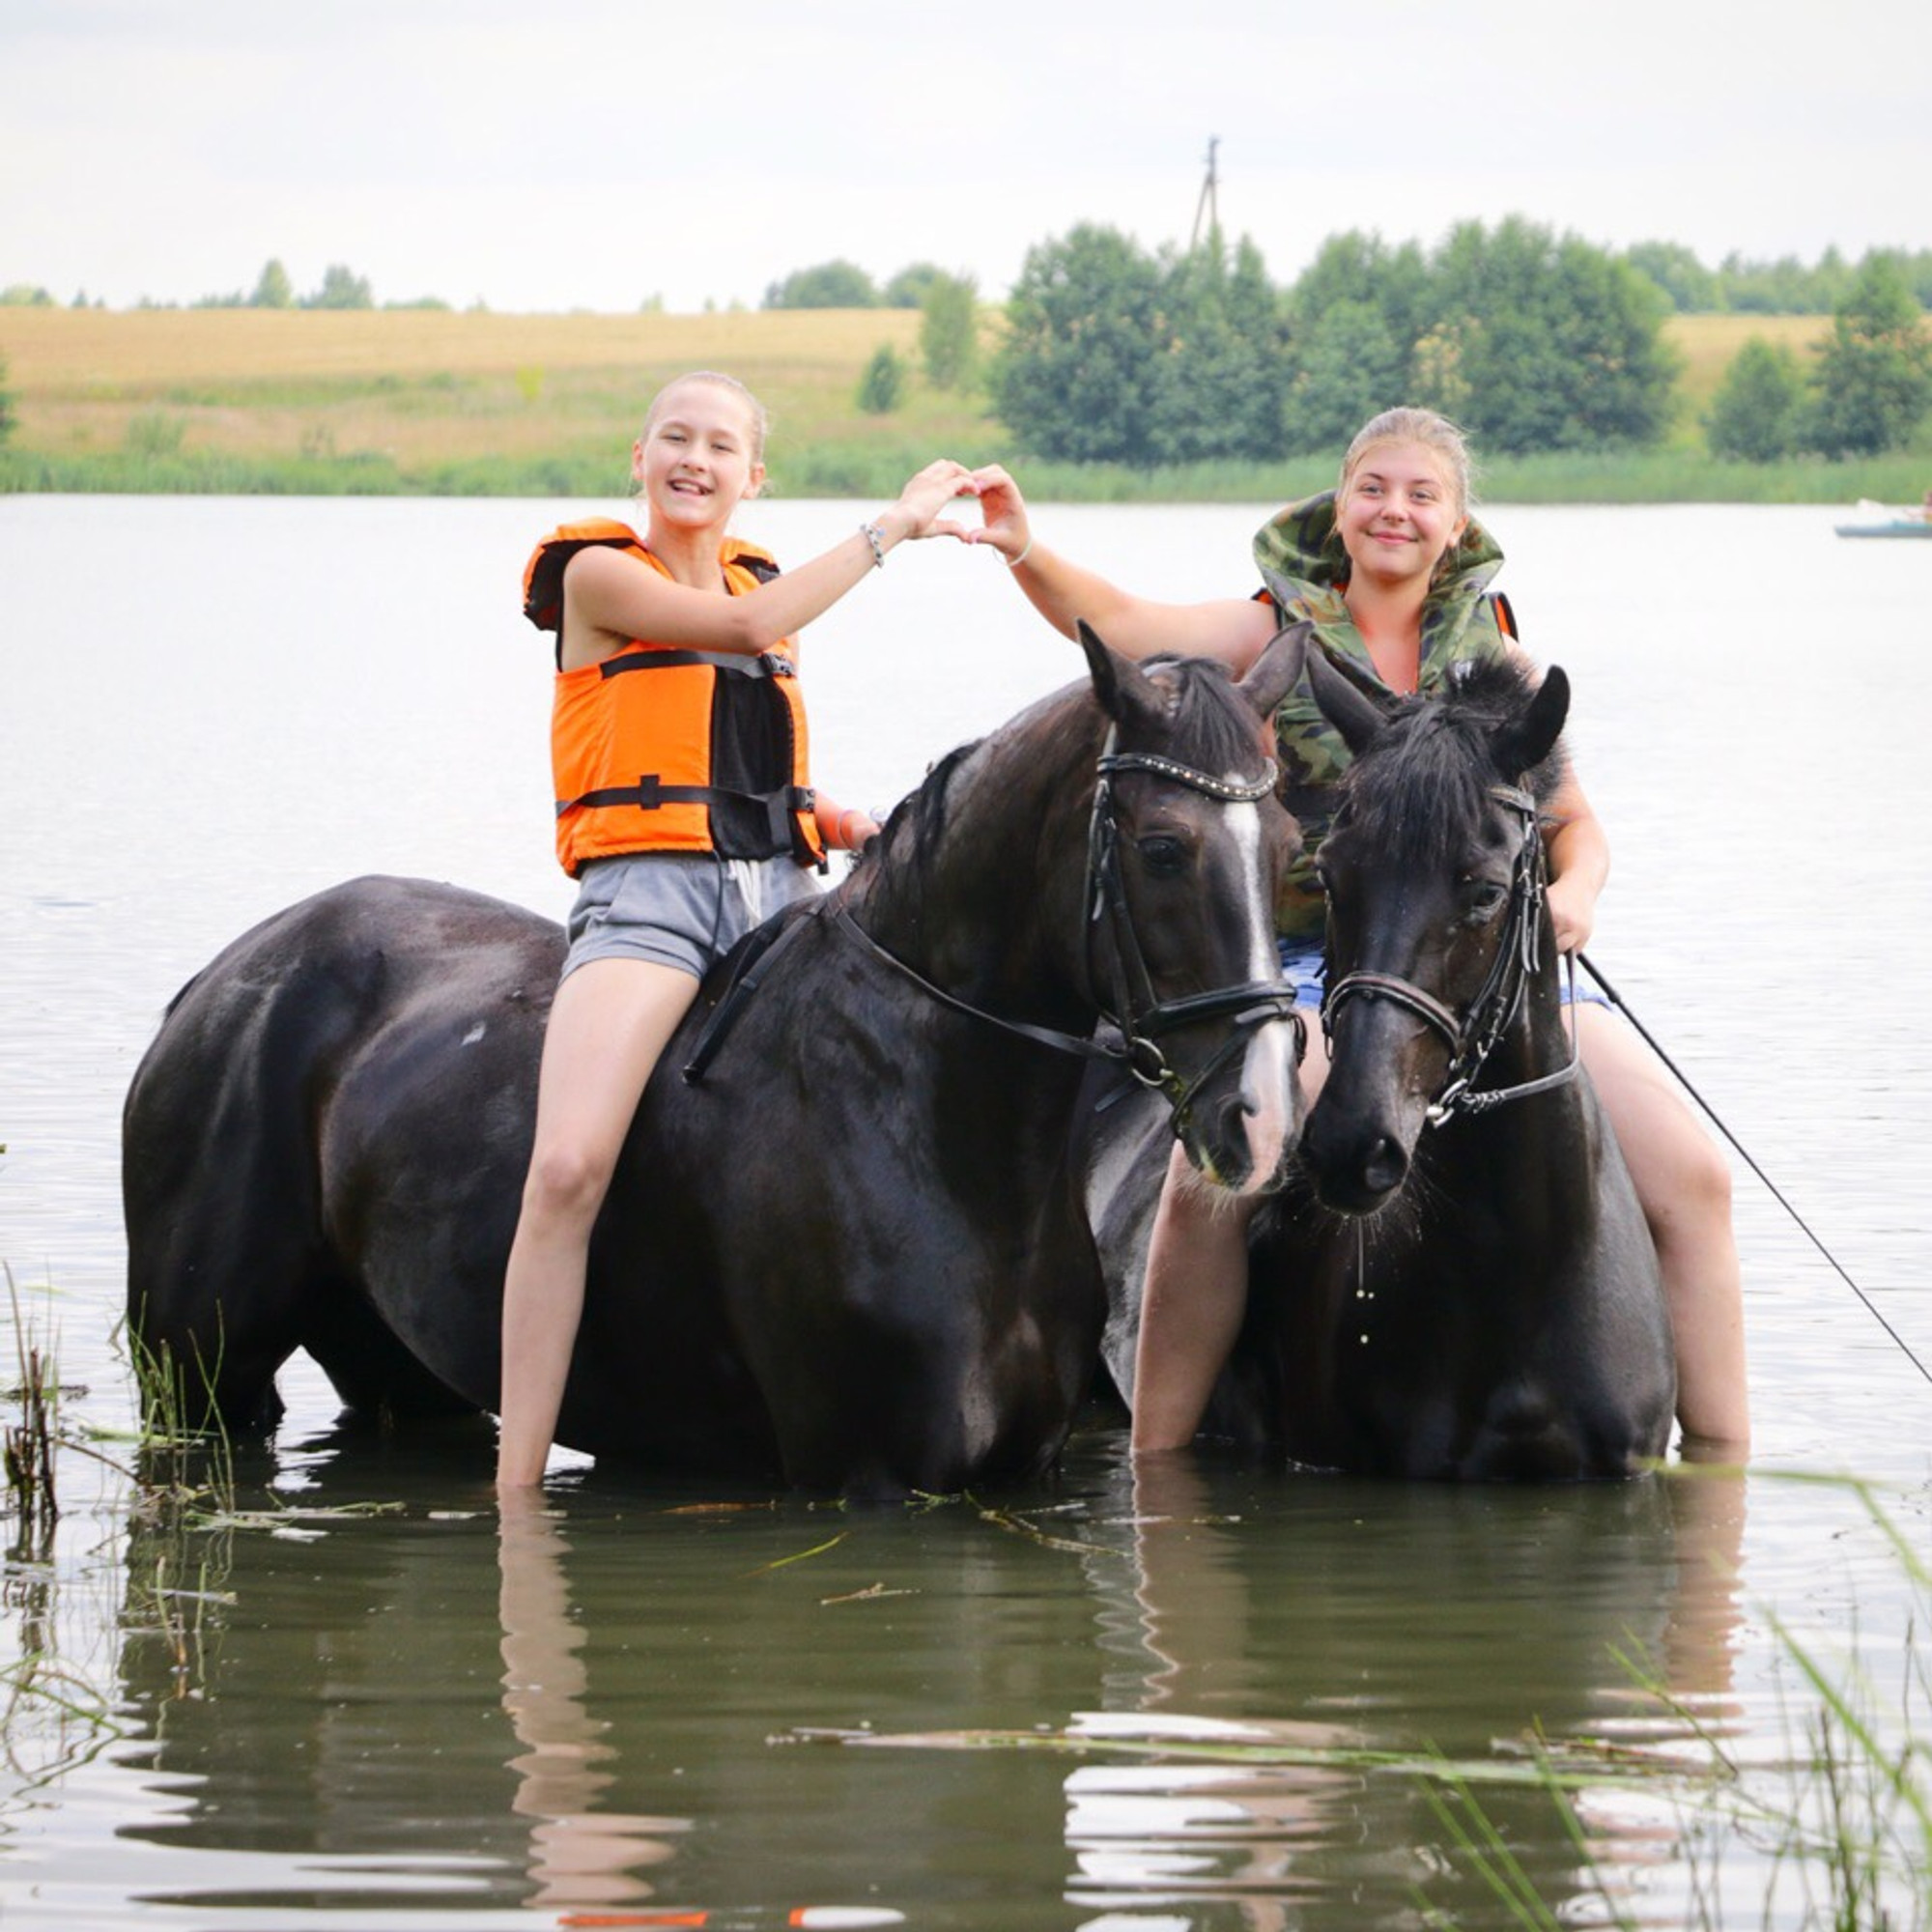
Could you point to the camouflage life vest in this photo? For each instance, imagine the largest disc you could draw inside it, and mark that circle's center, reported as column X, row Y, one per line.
column 1305, row 569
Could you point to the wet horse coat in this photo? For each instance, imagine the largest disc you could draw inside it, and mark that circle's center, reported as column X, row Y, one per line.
column 852, row 1253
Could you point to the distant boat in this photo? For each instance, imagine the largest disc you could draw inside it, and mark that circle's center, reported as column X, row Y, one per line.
column 1876, row 519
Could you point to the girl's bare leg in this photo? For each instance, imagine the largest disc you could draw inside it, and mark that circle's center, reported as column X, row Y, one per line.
column 608, row 1026
column 1683, row 1184
column 1196, row 1293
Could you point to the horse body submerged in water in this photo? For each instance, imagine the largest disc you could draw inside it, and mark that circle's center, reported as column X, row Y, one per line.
column 1458, row 1280
column 852, row 1252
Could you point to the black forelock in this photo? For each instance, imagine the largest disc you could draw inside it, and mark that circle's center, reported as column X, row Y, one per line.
column 1213, row 728
column 1422, row 785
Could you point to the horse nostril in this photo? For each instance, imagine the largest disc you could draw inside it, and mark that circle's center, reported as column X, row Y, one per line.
column 1385, row 1166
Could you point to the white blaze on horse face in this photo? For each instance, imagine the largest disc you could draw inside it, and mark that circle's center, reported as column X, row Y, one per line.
column 1269, row 1071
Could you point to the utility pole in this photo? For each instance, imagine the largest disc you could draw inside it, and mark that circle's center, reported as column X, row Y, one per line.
column 1209, row 203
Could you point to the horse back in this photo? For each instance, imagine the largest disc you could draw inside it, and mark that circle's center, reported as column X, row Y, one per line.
column 307, row 1084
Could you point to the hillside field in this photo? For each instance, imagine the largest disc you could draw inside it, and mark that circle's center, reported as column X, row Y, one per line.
column 472, row 403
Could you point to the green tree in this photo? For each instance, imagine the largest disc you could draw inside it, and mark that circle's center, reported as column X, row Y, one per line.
column 1689, row 288
column 1347, row 365
column 26, row 294
column 340, row 289
column 8, row 420
column 949, row 331
column 908, row 289
column 1547, row 344
column 272, row 288
column 1757, row 414
column 829, row 285
column 1221, row 374
column 1872, row 382
column 882, row 386
column 1076, row 378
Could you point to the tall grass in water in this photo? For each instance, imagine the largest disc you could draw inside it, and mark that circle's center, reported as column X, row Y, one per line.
column 1842, row 1828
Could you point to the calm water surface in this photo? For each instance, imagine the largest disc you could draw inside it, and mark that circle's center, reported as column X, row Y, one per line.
column 1178, row 1706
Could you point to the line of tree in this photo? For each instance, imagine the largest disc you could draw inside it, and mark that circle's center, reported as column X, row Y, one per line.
column 1531, row 341
column 843, row 284
column 1785, row 286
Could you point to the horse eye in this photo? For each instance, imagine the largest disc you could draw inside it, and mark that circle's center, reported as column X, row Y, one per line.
column 1482, row 899
column 1164, row 855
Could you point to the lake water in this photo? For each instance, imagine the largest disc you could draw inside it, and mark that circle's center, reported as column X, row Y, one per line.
column 1201, row 1704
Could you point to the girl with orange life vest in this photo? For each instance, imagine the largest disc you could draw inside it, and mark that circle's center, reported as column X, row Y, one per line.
column 684, row 809
column 1393, row 571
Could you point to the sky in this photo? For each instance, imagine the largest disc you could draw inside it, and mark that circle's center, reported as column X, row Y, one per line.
column 558, row 154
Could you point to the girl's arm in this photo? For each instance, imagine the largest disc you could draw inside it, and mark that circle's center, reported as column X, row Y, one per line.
column 616, row 597
column 843, row 828
column 1235, row 629
column 1578, row 848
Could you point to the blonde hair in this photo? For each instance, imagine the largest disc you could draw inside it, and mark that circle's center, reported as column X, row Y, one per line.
column 754, row 408
column 1436, row 434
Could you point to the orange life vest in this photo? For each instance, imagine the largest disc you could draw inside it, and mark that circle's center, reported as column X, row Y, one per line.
column 660, row 749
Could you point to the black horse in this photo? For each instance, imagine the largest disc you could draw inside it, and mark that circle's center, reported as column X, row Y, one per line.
column 1457, row 1280
column 848, row 1247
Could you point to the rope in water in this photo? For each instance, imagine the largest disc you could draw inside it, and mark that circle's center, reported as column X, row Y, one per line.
column 1616, row 1000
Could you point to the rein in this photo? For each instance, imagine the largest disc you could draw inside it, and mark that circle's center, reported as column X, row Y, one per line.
column 1134, row 1009
column 1474, row 1034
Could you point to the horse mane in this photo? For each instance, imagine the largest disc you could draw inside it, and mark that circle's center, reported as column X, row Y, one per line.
column 1422, row 786
column 1209, row 727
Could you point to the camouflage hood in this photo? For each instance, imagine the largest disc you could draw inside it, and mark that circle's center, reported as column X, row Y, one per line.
column 1303, row 564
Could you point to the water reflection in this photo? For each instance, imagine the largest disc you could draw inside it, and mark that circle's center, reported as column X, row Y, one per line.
column 1390, row 1619
column 579, row 1855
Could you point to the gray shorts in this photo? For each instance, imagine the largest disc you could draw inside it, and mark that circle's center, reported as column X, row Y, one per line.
column 681, row 909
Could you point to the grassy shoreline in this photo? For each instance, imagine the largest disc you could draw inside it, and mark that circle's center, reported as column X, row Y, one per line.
column 427, row 403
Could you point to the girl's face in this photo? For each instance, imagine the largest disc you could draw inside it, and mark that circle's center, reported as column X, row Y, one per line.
column 1398, row 513
column 698, row 458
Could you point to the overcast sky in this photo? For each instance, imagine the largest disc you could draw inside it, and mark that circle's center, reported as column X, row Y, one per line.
column 577, row 153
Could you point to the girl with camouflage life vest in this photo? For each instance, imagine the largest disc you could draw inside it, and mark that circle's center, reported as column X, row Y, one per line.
column 1394, row 572
column 684, row 809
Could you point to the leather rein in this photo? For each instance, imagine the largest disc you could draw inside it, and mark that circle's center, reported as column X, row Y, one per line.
column 1134, row 1009
column 1474, row 1034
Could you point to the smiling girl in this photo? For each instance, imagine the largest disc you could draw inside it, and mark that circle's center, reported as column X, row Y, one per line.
column 684, row 810
column 1394, row 573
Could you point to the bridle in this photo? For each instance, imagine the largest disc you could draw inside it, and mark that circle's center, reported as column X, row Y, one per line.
column 1133, row 1008
column 1473, row 1034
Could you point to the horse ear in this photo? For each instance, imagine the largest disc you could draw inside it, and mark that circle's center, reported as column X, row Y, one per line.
column 1350, row 710
column 1119, row 683
column 1278, row 670
column 1524, row 744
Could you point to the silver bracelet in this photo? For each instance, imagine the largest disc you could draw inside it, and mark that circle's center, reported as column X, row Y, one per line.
column 875, row 536
column 1014, row 562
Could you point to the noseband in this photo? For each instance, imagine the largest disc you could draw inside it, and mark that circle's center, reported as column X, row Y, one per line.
column 1473, row 1034
column 1134, row 1007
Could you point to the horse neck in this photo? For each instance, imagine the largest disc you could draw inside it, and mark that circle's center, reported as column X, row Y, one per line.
column 991, row 909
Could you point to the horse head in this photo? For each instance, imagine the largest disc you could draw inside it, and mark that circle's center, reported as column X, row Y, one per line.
column 1433, row 869
column 1187, row 847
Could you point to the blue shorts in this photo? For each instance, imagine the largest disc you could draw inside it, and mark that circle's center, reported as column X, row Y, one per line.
column 1304, row 968
column 681, row 909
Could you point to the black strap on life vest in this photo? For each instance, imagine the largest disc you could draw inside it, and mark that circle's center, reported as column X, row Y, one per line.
column 651, row 794
column 739, row 663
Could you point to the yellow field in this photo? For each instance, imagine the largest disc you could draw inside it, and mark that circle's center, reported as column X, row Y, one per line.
column 424, row 386
column 1708, row 343
column 418, row 384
